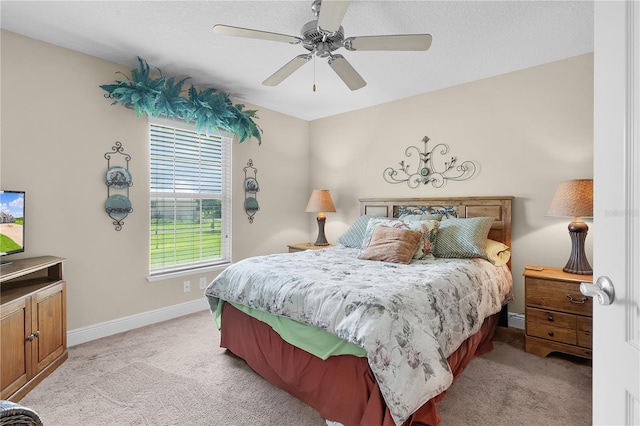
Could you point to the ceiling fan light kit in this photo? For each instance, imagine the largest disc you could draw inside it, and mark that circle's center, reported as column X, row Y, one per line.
column 322, row 36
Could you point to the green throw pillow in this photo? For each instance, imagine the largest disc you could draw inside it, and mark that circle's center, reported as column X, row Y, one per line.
column 463, row 238
column 355, row 234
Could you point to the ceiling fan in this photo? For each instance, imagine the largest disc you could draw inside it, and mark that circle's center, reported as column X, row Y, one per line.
column 322, row 36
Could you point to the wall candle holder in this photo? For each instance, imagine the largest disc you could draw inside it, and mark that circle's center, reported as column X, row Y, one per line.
column 251, row 188
column 118, row 178
column 428, row 170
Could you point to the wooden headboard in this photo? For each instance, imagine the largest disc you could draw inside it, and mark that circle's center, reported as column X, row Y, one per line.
column 463, row 207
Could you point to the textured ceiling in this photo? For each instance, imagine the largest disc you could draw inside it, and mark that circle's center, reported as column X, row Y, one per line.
column 471, row 40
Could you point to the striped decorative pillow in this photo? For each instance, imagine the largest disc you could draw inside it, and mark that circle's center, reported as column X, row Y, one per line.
column 463, row 238
column 355, row 234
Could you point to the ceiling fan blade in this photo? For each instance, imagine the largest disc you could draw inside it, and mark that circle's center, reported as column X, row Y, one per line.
column 331, row 14
column 249, row 33
column 288, row 69
column 346, row 72
column 389, row 42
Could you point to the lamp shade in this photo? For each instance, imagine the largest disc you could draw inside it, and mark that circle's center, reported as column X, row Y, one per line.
column 573, row 198
column 320, row 201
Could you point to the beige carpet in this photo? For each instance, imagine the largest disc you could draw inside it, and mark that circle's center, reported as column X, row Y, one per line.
column 174, row 373
column 508, row 386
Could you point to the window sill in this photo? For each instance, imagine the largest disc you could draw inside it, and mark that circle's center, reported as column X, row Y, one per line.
column 187, row 272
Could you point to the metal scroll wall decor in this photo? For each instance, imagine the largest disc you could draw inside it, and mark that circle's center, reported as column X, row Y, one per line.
column 118, row 181
column 434, row 167
column 251, row 188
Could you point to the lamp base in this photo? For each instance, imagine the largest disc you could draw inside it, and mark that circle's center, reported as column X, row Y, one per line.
column 321, row 240
column 578, row 263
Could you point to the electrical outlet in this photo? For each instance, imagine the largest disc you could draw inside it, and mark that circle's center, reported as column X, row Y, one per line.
column 203, row 283
column 186, row 286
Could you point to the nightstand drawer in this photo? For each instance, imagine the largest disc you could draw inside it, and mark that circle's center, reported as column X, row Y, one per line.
column 557, row 315
column 549, row 332
column 557, row 295
column 585, row 328
column 552, row 318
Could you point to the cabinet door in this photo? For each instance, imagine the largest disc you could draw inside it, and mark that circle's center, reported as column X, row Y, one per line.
column 50, row 324
column 15, row 350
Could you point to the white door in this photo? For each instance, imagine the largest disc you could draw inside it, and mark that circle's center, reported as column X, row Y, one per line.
column 616, row 225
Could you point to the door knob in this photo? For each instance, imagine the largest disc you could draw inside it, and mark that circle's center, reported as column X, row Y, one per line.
column 603, row 289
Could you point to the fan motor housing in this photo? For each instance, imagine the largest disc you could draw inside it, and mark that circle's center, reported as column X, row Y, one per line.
column 313, row 38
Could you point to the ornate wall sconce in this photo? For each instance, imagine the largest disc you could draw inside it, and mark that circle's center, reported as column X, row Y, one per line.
column 118, row 178
column 251, row 188
column 437, row 173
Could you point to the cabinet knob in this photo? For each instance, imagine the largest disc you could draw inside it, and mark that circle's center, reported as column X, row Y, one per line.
column 33, row 336
column 550, row 334
column 550, row 317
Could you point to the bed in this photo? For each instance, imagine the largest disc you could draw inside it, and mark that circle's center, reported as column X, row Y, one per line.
column 375, row 330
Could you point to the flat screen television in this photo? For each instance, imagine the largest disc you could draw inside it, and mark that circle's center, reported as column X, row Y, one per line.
column 12, row 230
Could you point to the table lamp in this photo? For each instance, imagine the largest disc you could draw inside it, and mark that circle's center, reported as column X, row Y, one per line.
column 574, row 198
column 320, row 202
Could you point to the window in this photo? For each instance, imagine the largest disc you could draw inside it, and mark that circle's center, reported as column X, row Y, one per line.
column 190, row 198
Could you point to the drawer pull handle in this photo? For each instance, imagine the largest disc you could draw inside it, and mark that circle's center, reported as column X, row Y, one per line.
column 550, row 317
column 579, row 302
column 550, row 334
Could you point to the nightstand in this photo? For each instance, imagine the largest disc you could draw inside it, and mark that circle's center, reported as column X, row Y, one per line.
column 558, row 317
column 306, row 246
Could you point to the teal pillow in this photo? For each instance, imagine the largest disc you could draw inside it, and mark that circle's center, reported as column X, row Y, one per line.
column 355, row 234
column 463, row 238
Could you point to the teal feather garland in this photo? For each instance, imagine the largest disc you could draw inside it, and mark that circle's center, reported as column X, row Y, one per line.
column 209, row 109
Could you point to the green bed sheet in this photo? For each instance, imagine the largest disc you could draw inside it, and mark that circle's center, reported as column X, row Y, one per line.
column 311, row 339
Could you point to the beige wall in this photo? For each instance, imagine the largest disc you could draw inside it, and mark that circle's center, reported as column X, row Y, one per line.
column 527, row 131
column 56, row 128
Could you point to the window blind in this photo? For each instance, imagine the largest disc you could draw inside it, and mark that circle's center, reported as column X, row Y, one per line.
column 190, row 199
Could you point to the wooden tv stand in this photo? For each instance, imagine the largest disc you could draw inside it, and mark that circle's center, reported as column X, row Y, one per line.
column 33, row 321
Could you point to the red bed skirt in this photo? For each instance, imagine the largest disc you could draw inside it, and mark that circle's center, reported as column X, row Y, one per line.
column 341, row 388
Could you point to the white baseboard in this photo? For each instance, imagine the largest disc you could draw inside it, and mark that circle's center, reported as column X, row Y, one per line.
column 120, row 325
column 516, row 320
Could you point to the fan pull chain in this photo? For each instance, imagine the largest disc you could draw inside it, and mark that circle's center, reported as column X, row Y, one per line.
column 314, row 73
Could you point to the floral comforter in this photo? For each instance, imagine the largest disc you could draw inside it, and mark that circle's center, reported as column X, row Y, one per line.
column 408, row 318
